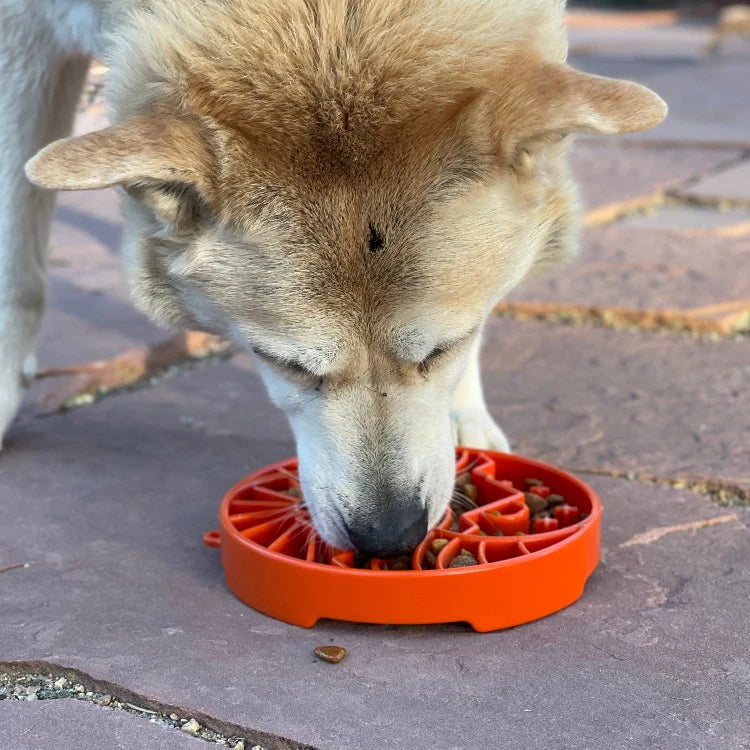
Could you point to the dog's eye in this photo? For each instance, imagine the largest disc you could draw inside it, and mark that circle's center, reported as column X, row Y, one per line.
column 287, row 366
column 432, row 358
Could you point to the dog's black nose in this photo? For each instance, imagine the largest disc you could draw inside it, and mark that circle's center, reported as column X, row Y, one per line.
column 396, row 530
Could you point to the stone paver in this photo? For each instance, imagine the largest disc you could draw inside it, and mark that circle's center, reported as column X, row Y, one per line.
column 637, row 265
column 632, row 401
column 731, row 185
column 90, row 315
column 74, row 725
column 121, row 587
column 686, row 218
column 607, row 172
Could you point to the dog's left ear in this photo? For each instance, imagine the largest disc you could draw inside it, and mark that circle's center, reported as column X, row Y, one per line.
column 161, row 160
column 546, row 101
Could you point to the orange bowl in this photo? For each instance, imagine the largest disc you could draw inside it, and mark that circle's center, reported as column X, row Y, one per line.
column 275, row 562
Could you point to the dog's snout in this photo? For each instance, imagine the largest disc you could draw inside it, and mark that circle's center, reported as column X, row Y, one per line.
column 395, row 530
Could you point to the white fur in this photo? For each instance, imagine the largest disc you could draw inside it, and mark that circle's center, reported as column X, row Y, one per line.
column 41, row 70
column 472, row 424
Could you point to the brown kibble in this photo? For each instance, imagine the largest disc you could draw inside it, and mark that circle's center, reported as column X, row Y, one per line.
column 532, row 482
column 464, row 560
column 430, row 561
column 398, row 563
column 437, row 545
column 553, row 500
column 294, row 492
column 470, row 490
column 535, row 502
column 331, row 654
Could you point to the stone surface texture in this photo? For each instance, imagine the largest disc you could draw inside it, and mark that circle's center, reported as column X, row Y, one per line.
column 74, row 725
column 642, row 266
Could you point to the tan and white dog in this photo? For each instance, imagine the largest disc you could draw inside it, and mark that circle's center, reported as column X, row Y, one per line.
column 346, row 187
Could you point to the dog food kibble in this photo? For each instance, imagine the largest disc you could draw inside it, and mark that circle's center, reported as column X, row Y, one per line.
column 438, row 544
column 553, row 500
column 398, row 563
column 294, row 492
column 465, row 559
column 471, row 491
column 536, row 504
column 532, row 482
column 331, row 654
column 430, row 560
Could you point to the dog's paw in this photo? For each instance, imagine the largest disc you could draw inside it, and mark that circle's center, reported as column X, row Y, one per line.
column 12, row 384
column 10, row 398
column 475, row 428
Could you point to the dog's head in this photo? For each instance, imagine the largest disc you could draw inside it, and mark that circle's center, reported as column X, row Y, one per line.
column 347, row 188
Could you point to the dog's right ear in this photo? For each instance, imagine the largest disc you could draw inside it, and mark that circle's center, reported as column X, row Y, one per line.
column 160, row 160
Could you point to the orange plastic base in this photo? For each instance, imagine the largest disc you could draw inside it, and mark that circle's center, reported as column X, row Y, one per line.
column 274, row 561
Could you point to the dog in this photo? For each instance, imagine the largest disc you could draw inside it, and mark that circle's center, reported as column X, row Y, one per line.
column 345, row 187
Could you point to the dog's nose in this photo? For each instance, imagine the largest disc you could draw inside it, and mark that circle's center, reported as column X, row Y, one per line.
column 397, row 530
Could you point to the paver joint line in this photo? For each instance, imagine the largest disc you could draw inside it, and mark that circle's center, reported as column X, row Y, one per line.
column 40, row 680
column 722, row 493
column 731, row 319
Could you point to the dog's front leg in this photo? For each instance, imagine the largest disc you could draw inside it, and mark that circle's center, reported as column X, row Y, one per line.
column 472, row 424
column 40, row 82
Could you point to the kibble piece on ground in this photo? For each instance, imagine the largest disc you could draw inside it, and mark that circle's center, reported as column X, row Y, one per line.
column 438, row 544
column 555, row 500
column 536, row 504
column 465, row 559
column 532, row 482
column 331, row 654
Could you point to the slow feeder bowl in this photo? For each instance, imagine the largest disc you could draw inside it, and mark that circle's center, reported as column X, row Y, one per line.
column 274, row 561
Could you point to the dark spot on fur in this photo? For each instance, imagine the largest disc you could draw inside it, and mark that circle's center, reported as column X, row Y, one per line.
column 376, row 240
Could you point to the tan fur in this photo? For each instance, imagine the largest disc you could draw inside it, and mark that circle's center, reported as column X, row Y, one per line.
column 262, row 143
